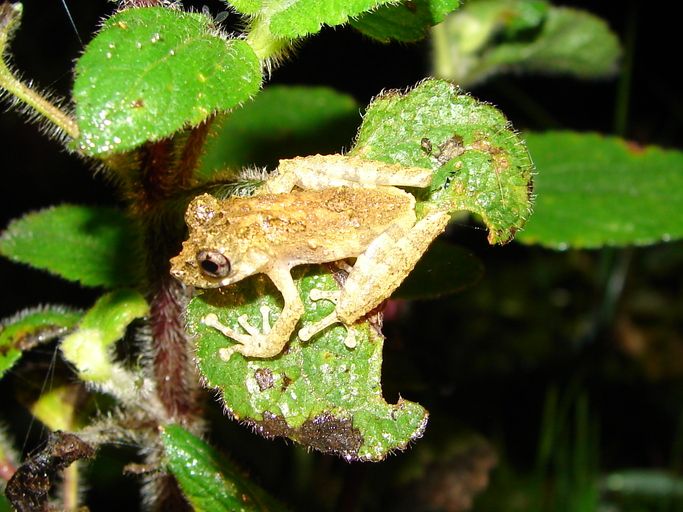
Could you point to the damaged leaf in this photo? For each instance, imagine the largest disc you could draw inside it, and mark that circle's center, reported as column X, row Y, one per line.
column 480, row 164
column 28, row 488
column 319, row 393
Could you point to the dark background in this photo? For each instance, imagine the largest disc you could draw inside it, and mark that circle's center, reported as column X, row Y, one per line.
column 489, row 379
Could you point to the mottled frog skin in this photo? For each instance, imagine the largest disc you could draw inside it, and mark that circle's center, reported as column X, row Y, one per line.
column 314, row 210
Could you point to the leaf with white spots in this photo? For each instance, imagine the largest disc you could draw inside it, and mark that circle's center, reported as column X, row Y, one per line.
column 319, row 393
column 152, row 71
column 480, row 164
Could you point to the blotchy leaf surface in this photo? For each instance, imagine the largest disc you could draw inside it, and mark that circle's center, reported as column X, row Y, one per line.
column 480, row 164
column 209, row 481
column 152, row 71
column 282, row 122
column 92, row 245
column 319, row 393
column 594, row 191
column 30, row 328
column 406, row 22
column 296, row 18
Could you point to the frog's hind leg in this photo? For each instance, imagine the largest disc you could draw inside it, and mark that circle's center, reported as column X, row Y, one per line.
column 378, row 272
column 317, row 172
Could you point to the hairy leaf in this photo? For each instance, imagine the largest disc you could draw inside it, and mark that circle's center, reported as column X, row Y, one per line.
column 151, row 72
column 479, row 163
column 488, row 37
column 594, row 191
column 102, row 325
column 408, row 21
column 319, row 393
column 32, row 327
column 296, row 18
column 92, row 245
column 282, row 122
column 209, row 481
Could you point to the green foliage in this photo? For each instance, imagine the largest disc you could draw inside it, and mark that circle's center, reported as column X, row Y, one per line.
column 210, row 482
column 595, row 190
column 30, row 328
column 406, row 22
column 150, row 72
column 488, row 37
column 319, row 393
column 281, row 122
column 292, row 19
column 94, row 246
column 103, row 324
column 480, row 163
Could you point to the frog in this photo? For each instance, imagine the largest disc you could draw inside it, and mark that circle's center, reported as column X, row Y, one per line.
column 312, row 210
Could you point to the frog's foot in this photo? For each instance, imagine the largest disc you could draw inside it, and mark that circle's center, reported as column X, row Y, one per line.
column 253, row 344
column 306, row 333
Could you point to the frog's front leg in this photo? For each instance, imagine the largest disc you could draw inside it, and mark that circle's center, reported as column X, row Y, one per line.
column 378, row 272
column 269, row 341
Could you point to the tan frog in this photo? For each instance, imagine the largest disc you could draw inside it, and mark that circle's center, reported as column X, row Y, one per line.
column 315, row 209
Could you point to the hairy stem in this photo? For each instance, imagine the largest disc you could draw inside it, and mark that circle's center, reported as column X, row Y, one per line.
column 164, row 172
column 10, row 15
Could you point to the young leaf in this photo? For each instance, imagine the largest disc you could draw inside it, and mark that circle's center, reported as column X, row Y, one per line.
column 488, row 37
column 56, row 408
column 92, row 245
column 88, row 347
column 282, row 122
column 444, row 269
column 32, row 327
column 292, row 19
column 479, row 163
column 319, row 393
column 594, row 191
column 407, row 22
column 151, row 72
column 209, row 481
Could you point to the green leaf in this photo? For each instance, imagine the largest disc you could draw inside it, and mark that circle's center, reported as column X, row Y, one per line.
column 480, row 164
column 209, row 481
column 408, row 21
column 32, row 327
column 594, row 191
column 282, row 122
column 488, row 37
column 319, row 393
column 92, row 245
column 292, row 19
column 444, row 269
column 103, row 324
column 150, row 72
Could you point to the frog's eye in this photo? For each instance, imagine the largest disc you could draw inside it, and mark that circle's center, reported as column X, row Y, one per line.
column 213, row 263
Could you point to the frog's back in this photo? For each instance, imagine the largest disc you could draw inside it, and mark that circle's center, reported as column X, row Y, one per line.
column 322, row 225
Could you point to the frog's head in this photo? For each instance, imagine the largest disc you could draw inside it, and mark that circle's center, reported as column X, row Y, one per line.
column 214, row 255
